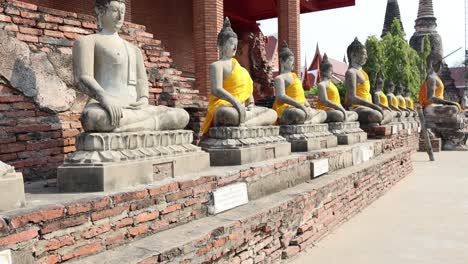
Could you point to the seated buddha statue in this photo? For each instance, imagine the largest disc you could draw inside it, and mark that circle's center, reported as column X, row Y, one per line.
column 112, row 73
column 358, row 97
column 380, row 98
column 393, row 100
column 231, row 102
column 290, row 103
column 431, row 94
column 402, row 101
column 329, row 97
column 409, row 101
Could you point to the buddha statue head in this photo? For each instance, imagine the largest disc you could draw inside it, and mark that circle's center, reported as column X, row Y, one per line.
column 379, row 83
column 227, row 40
column 286, row 58
column 389, row 87
column 326, row 68
column 407, row 92
column 110, row 14
column 434, row 62
column 357, row 53
column 399, row 89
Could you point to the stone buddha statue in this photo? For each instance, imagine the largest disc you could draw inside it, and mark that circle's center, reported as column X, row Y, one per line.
column 380, row 98
column 409, row 100
column 112, row 73
column 290, row 103
column 402, row 101
column 393, row 100
column 443, row 117
column 431, row 95
column 358, row 97
column 329, row 97
column 231, row 102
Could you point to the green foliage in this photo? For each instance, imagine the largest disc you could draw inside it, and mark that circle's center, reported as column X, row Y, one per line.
column 375, row 54
column 311, row 92
column 423, row 57
column 398, row 61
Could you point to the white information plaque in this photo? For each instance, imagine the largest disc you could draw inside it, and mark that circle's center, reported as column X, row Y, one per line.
column 320, row 167
column 229, row 197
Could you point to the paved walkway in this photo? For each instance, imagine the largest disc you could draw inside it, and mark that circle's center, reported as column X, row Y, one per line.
column 422, row 220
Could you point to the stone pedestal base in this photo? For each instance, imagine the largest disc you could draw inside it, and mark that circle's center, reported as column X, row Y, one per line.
column 380, row 131
column 107, row 162
column 348, row 133
column 231, row 146
column 11, row 191
column 305, row 138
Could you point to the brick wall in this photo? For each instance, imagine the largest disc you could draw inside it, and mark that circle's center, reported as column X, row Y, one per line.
column 36, row 142
column 289, row 28
column 66, row 231
column 172, row 23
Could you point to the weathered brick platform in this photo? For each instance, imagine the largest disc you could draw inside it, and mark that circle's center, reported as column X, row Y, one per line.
column 61, row 227
column 348, row 133
column 272, row 228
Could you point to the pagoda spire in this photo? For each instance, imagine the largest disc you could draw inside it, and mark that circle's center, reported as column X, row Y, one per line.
column 426, row 20
column 426, row 9
column 392, row 12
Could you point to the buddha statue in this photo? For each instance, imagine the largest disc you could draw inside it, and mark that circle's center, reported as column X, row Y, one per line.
column 358, row 97
column 393, row 100
column 402, row 101
column 380, row 98
column 431, row 94
column 409, row 100
column 290, row 103
column 443, row 117
column 329, row 97
column 231, row 102
column 112, row 73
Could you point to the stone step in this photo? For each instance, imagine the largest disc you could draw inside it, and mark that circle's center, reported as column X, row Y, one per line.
column 273, row 227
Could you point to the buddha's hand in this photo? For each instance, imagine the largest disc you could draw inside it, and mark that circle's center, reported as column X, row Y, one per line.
column 345, row 115
column 378, row 108
column 308, row 114
column 114, row 109
column 140, row 104
column 242, row 112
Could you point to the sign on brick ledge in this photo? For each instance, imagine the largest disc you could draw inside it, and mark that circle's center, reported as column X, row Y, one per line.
column 5, row 257
column 228, row 197
column 320, row 167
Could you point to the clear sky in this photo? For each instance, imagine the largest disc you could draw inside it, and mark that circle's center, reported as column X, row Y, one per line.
column 335, row 29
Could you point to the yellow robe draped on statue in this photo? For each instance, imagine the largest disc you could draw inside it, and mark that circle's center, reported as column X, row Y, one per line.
column 439, row 93
column 362, row 90
column 394, row 101
column 383, row 99
column 402, row 103
column 410, row 103
column 295, row 91
column 333, row 95
column 238, row 84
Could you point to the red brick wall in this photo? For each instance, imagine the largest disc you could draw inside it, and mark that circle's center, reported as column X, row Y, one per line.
column 289, row 28
column 208, row 21
column 77, row 6
column 36, row 142
column 172, row 23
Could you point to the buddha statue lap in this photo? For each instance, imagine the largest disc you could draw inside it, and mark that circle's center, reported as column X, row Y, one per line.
column 358, row 97
column 233, row 122
column 124, row 133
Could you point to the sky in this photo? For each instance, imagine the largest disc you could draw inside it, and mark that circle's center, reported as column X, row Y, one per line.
column 335, row 29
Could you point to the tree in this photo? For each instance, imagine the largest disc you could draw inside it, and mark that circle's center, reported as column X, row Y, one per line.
column 375, row 54
column 395, row 57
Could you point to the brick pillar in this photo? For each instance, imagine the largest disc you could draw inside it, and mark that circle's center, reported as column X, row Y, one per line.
column 289, row 28
column 128, row 10
column 207, row 22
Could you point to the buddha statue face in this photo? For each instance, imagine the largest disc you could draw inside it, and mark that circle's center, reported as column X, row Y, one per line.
column 326, row 68
column 357, row 53
column 379, row 85
column 288, row 63
column 229, row 48
column 390, row 87
column 111, row 14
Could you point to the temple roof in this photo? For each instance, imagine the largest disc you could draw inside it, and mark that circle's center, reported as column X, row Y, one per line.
column 250, row 10
column 458, row 74
column 392, row 12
